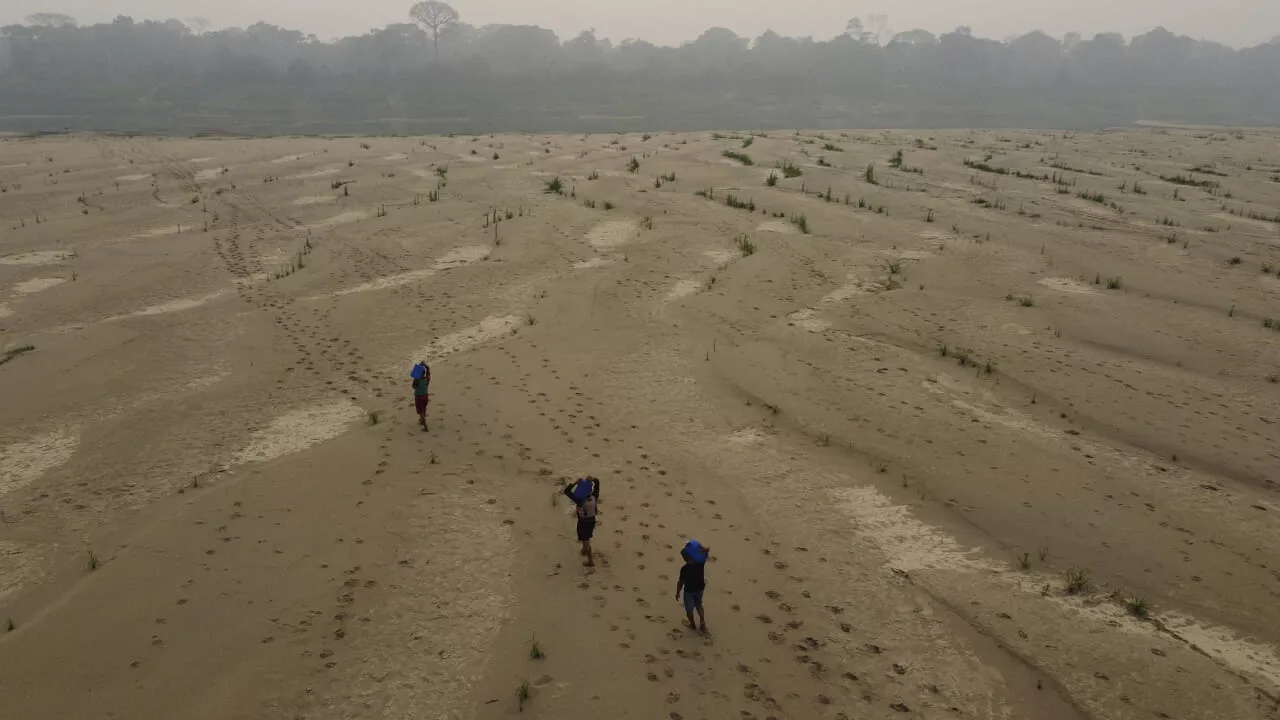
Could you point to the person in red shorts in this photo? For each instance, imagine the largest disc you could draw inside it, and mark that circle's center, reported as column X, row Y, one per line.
column 421, row 391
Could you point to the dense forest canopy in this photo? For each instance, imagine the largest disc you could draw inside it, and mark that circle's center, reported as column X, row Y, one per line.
column 436, row 73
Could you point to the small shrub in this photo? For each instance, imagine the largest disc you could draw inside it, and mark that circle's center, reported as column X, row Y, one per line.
column 832, row 148
column 1078, row 582
column 608, row 205
column 895, row 268
column 1137, row 606
column 633, row 166
column 772, row 180
column 801, row 222
column 744, row 245
column 1024, row 561
column 1235, row 260
column 747, row 143
column 522, row 695
column 535, row 650
column 372, row 416
column 555, row 186
column 93, row 563
column 743, row 158
column 1027, row 301
column 870, row 174
column 1114, row 283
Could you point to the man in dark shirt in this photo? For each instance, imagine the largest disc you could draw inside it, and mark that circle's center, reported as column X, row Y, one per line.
column 693, row 581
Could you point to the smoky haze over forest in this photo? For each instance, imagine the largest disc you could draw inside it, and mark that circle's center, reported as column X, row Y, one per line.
column 436, row 68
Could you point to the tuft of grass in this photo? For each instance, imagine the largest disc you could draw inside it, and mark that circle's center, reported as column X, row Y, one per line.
column 522, row 695
column 372, row 417
column 93, row 563
column 988, row 367
column 535, row 650
column 895, row 268
column 1234, row 261
column 633, row 166
column 1078, row 582
column 743, row 158
column 608, row 205
column 772, row 180
column 870, row 174
column 555, row 186
column 1137, row 606
column 1024, row 561
column 744, row 245
column 943, row 350
column 432, row 459
column 9, row 626
column 1114, row 283
column 929, row 218
column 1027, row 301
column 801, row 222
column 530, row 320
column 747, row 143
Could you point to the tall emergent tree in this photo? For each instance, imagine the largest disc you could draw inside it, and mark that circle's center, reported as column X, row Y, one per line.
column 434, row 16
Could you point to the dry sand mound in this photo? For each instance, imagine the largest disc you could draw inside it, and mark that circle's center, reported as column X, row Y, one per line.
column 682, row 289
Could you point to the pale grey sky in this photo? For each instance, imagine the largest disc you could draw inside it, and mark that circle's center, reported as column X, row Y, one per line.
column 1234, row 22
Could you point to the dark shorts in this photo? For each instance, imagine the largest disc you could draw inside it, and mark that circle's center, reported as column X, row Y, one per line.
column 585, row 529
column 420, row 403
column 692, row 600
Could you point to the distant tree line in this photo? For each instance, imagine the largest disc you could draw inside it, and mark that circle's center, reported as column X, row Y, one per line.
column 439, row 74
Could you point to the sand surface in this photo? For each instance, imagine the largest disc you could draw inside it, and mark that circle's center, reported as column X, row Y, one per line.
column 903, row 433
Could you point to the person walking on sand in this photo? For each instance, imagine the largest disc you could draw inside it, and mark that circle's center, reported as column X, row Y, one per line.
column 585, row 494
column 421, row 375
column 693, row 581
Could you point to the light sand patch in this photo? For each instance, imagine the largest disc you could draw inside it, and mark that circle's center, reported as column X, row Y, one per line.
column 505, row 167
column 423, row 173
column 23, row 463
column 396, row 156
column 162, row 231
column 1068, row 285
column 315, row 200
column 611, row 233
column 40, row 257
column 133, row 178
column 298, row 430
column 322, row 172
column 382, row 283
column 207, row 380
column 455, row 258
column 5, row 311
column 14, row 165
column 594, row 262
column 37, row 285
column 172, row 306
column 201, row 160
column 683, row 289
column 462, row 256
column 776, row 226
column 809, row 320
column 208, row 174
column 748, row 436
column 291, row 158
column 342, row 219
column 720, row 256
column 488, row 329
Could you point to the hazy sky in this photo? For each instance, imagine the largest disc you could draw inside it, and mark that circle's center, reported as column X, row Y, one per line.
column 1234, row 22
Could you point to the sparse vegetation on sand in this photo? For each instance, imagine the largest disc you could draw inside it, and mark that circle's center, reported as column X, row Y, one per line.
column 744, row 245
column 743, row 158
column 801, row 222
column 1078, row 582
column 554, row 186
column 789, row 170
